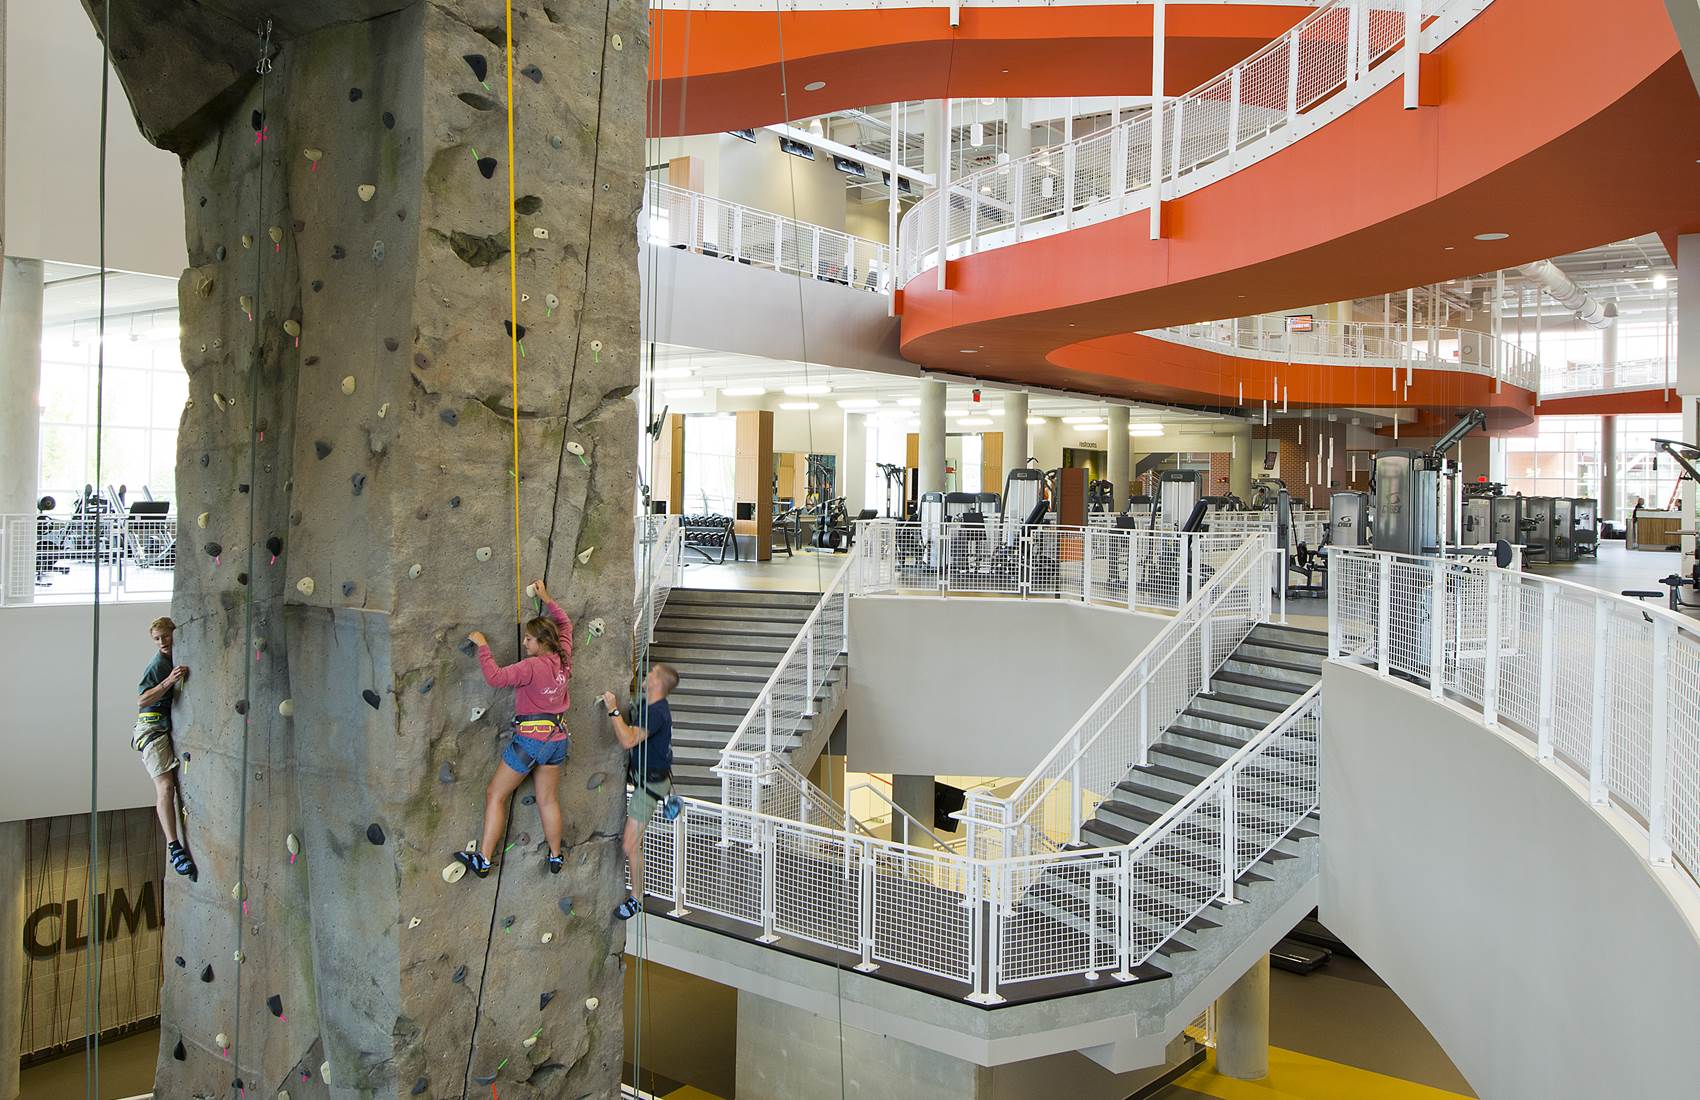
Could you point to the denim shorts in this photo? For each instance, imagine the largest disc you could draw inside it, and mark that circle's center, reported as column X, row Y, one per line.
column 525, row 753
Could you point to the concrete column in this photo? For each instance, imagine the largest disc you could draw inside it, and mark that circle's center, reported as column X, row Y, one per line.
column 1015, row 449
column 1688, row 362
column 1120, row 473
column 12, row 956
column 933, row 144
column 932, row 436
column 853, row 462
column 1242, row 1025
column 1608, row 357
column 1608, row 467
column 914, row 794
column 1018, row 139
column 1239, row 465
column 20, row 384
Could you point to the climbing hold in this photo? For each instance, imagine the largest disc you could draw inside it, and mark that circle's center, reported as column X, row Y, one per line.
column 207, row 973
column 468, row 648
column 240, row 958
column 543, row 1001
column 454, row 502
column 348, row 385
column 222, row 1040
column 337, row 252
column 420, row 1086
column 391, row 343
column 317, row 285
column 325, row 1072
column 531, row 591
column 524, row 839
column 257, row 120
column 596, row 627
column 539, row 232
column 527, row 204
column 201, row 520
column 322, row 449
column 347, row 589
column 449, row 417
column 383, row 410
column 246, row 301
column 304, row 586
column 276, row 234
column 477, row 713
column 237, row 893
column 478, row 102
column 220, row 253
column 555, row 141
column 293, row 845
column 241, row 706
column 480, row 68
column 528, row 1042
column 487, row 167
column 552, row 302
column 532, row 73
column 359, row 483
column 180, row 963
column 366, row 191
column 378, row 251
column 592, row 1003
column 425, row 688
column 566, row 906
column 596, row 781
column 373, row 700
column 529, row 800
column 454, row 871
column 375, row 833
column 413, row 923
column 293, row 328
column 354, row 95
column 548, row 937
column 313, row 155
column 618, row 43
column 179, row 1052
column 221, row 401
column 507, row 923
column 445, row 775
column 584, row 558
column 482, row 553
column 389, row 121
column 414, row 570
column 576, row 448
column 247, row 240
column 275, row 1003
column 213, row 550
column 487, row 1078
column 459, row 975
column 274, row 547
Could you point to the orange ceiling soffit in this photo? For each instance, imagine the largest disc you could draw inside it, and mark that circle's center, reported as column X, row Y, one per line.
column 1620, row 403
column 720, row 70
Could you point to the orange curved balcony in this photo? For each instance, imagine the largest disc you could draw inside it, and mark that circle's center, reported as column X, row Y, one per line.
column 722, row 70
column 1560, row 122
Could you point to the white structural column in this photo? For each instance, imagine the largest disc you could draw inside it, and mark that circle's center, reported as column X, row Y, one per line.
column 1688, row 364
column 914, row 795
column 944, row 198
column 895, row 155
column 853, row 463
column 1608, row 469
column 1120, row 473
column 1159, row 13
column 1239, row 461
column 12, row 958
column 1608, row 357
column 1018, row 139
column 20, row 383
column 1242, row 1025
column 932, row 436
column 1014, row 433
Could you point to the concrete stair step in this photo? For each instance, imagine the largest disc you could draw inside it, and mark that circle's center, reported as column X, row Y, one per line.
column 743, row 613
column 1297, row 637
column 1246, row 686
column 1280, row 656
column 755, row 627
column 1203, row 713
column 742, row 597
column 1271, row 669
column 775, row 644
column 736, row 661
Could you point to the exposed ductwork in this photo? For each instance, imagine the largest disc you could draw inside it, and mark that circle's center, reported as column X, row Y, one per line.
column 1588, row 309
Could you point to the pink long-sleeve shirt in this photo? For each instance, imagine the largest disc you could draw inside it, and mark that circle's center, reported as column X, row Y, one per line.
column 539, row 683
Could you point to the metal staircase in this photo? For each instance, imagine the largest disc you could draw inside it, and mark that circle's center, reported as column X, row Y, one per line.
column 725, row 646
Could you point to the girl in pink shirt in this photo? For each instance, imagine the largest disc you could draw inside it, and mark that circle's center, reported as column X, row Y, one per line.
column 539, row 680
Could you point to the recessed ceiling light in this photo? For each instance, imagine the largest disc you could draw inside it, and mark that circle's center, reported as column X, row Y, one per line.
column 799, row 406
column 1660, row 281
column 742, row 391
column 814, row 85
column 809, row 390
column 1035, row 421
column 1449, row 248
column 1492, row 236
column 969, row 351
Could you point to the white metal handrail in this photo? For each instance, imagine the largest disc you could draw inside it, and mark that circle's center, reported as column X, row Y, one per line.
column 1328, row 62
column 1606, row 688
column 792, row 795
column 1308, row 524
column 1399, row 348
column 989, row 923
column 1634, row 374
column 690, row 220
column 1135, row 570
column 54, row 559
column 1046, row 810
column 659, row 552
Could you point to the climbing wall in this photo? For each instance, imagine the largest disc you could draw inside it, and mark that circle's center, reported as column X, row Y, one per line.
column 345, row 481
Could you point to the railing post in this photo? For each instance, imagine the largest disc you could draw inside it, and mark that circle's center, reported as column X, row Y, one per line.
column 681, row 848
column 737, row 235
column 778, row 243
column 1437, row 629
column 1354, row 43
column 1549, row 671
column 768, row 935
column 767, row 720
column 1233, row 115
column 1142, row 700
column 1413, row 52
column 1336, row 566
column 1598, row 790
column 1175, row 152
column 1132, row 540
column 1068, row 165
column 1230, row 840
column 1658, row 743
column 844, row 642
column 1383, row 616
column 1206, row 643
column 865, row 917
column 1086, row 567
column 1124, row 916
column 1074, row 808
column 1183, row 571
column 1197, row 571
column 1118, row 162
column 808, row 674
column 1292, row 77
column 814, row 252
column 1490, row 666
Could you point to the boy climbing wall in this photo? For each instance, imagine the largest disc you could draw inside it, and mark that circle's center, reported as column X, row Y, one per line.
column 152, row 737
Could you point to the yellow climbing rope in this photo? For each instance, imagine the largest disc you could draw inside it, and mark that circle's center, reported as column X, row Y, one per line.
column 513, row 311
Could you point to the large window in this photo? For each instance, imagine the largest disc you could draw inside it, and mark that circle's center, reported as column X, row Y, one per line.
column 1563, row 460
column 1643, row 471
column 142, row 402
column 710, row 464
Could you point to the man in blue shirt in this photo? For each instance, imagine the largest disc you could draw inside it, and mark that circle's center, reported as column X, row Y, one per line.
column 152, row 737
column 648, row 741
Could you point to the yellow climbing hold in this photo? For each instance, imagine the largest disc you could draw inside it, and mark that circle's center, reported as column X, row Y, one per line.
column 238, row 892
column 304, row 586
column 366, row 191
column 383, row 410
column 548, row 937
column 247, row 240
column 314, row 155
column 287, row 708
column 325, row 1072
column 246, row 301
column 292, row 844
column 592, row 1003
column 454, row 871
column 348, row 385
column 482, row 553
column 292, row 326
column 584, row 558
column 201, row 520
column 222, row 1040
column 415, row 922
column 276, row 234
column 619, row 43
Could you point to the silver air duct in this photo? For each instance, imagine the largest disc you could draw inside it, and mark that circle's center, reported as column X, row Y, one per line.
column 1588, row 309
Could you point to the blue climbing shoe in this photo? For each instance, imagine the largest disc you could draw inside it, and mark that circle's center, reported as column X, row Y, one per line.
column 628, row 909
column 180, row 861
column 554, row 862
column 672, row 808
column 475, row 862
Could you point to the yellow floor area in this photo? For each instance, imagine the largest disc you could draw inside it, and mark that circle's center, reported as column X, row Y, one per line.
column 1294, row 1076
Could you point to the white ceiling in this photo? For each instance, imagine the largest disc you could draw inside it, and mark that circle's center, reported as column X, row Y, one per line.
column 72, row 294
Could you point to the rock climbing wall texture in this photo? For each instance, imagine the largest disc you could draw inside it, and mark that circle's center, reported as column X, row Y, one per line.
column 344, row 477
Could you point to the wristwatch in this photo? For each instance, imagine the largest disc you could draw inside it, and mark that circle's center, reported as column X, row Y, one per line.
column 613, row 714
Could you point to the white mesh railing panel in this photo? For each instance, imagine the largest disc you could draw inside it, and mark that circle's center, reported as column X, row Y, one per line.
column 922, row 911
column 719, row 877
column 1063, row 920
column 817, row 886
column 1683, row 787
